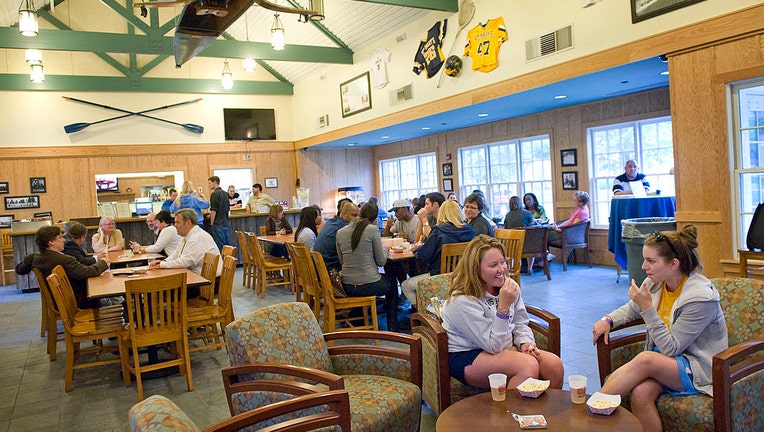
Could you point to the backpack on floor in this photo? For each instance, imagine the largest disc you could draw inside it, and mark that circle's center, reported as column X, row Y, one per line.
column 755, row 238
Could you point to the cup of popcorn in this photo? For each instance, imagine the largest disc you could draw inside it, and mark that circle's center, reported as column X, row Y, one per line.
column 603, row 404
column 533, row 388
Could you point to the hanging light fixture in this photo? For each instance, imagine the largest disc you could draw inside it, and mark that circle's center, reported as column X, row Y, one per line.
column 33, row 55
column 278, row 37
column 318, row 6
column 34, row 60
column 227, row 77
column 248, row 64
column 28, row 19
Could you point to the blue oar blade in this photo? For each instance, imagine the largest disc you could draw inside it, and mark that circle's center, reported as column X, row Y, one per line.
column 75, row 127
column 193, row 128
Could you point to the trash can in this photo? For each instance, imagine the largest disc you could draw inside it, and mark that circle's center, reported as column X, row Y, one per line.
column 634, row 232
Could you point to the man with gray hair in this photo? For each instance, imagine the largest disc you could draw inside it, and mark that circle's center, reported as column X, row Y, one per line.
column 196, row 242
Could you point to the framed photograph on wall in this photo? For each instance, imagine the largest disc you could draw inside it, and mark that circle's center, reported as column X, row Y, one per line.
column 37, row 185
column 5, row 220
column 569, row 157
column 22, row 202
column 448, row 170
column 355, row 95
column 570, row 180
column 3, row 187
column 646, row 9
column 271, row 182
column 448, row 185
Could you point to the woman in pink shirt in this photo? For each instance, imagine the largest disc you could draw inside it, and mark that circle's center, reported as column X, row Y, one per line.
column 580, row 214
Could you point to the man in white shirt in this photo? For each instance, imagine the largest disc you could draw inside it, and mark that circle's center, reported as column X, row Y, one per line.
column 258, row 199
column 196, row 242
column 405, row 225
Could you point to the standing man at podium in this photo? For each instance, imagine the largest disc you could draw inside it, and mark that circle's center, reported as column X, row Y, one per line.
column 622, row 184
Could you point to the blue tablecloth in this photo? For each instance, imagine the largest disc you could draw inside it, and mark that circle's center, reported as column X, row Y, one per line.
column 628, row 208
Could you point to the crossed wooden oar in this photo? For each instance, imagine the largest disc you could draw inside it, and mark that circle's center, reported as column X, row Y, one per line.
column 75, row 127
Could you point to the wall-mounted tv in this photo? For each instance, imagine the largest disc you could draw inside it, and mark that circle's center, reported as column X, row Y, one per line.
column 249, row 124
column 106, row 183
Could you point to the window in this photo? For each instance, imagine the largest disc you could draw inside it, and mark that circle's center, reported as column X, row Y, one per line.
column 506, row 169
column 748, row 147
column 649, row 142
column 407, row 177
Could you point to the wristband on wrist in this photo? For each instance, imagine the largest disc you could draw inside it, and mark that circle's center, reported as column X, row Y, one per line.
column 502, row 316
column 608, row 320
column 502, row 313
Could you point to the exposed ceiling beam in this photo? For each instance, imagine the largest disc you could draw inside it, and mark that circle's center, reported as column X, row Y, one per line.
column 68, row 40
column 138, row 84
column 437, row 5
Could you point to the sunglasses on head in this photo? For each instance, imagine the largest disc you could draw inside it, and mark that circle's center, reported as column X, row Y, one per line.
column 659, row 236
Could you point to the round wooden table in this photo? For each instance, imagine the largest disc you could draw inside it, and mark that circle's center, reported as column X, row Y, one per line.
column 481, row 413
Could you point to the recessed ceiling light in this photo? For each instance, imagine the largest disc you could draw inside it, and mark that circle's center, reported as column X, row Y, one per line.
column 351, row 144
column 483, row 115
column 425, row 128
column 560, row 97
column 385, row 136
column 664, row 73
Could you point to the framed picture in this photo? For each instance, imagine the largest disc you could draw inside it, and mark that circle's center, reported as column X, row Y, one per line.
column 271, row 182
column 5, row 220
column 3, row 187
column 646, row 9
column 569, row 157
column 22, row 202
column 37, row 185
column 570, row 180
column 448, row 185
column 355, row 95
column 448, row 170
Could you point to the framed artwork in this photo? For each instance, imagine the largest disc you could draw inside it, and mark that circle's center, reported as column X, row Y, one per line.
column 3, row 187
column 448, row 185
column 448, row 170
column 22, row 202
column 5, row 220
column 355, row 95
column 569, row 157
column 37, row 185
column 645, row 9
column 271, row 182
column 570, row 180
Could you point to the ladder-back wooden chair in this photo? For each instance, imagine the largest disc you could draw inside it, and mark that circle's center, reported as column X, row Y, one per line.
column 248, row 264
column 263, row 267
column 6, row 253
column 216, row 316
column 450, row 253
column 513, row 240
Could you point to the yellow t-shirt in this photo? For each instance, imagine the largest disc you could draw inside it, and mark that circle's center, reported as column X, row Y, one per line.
column 667, row 302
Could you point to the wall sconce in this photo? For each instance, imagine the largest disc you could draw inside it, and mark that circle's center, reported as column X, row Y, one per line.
column 249, row 65
column 28, row 19
column 227, row 77
column 278, row 36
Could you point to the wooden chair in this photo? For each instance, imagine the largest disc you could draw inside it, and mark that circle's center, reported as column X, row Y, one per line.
column 248, row 265
column 228, row 250
column 439, row 390
column 450, row 253
column 6, row 253
column 737, row 372
column 261, row 229
column 76, row 332
column 263, row 267
column 749, row 269
column 382, row 371
column 513, row 241
column 209, row 272
column 334, row 304
column 307, row 288
column 156, row 310
column 218, row 314
column 574, row 236
column 534, row 247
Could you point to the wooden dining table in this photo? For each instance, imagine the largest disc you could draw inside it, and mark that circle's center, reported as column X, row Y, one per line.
column 126, row 258
column 277, row 239
column 109, row 284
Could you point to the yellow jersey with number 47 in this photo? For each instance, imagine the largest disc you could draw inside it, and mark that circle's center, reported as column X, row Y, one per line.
column 483, row 43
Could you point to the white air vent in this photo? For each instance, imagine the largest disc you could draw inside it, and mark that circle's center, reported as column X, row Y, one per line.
column 401, row 95
column 549, row 43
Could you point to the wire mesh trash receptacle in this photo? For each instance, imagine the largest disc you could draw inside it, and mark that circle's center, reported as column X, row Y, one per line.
column 633, row 235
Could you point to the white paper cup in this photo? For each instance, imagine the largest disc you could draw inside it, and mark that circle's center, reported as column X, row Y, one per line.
column 577, row 384
column 498, row 383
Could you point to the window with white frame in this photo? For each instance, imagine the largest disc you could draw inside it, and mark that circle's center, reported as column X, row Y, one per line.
column 407, row 177
column 747, row 106
column 648, row 142
column 508, row 168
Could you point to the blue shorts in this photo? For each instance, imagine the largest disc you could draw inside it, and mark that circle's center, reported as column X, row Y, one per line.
column 457, row 361
column 685, row 375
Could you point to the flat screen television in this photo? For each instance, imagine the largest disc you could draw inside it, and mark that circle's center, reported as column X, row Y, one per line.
column 143, row 208
column 106, row 183
column 249, row 124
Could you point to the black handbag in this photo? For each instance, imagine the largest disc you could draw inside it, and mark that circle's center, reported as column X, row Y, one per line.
column 755, row 238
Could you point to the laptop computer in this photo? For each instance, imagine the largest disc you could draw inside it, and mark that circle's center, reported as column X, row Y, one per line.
column 143, row 208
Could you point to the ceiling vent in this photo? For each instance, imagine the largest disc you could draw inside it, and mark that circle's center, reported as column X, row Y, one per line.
column 401, row 95
column 549, row 43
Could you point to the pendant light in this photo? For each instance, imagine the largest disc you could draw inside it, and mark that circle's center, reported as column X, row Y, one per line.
column 34, row 60
column 278, row 37
column 227, row 77
column 248, row 64
column 318, row 6
column 28, row 19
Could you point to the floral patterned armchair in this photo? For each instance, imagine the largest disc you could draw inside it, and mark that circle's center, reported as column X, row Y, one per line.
column 439, row 389
column 383, row 379
column 738, row 372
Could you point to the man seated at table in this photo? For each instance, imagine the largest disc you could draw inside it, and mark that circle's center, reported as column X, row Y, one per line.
column 326, row 241
column 405, row 226
column 428, row 215
column 190, row 255
column 50, row 241
column 108, row 238
column 73, row 241
column 622, row 183
column 259, row 199
column 168, row 240
column 151, row 223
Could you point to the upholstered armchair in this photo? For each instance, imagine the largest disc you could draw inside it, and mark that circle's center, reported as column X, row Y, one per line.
column 738, row 372
column 382, row 371
column 439, row 390
column 573, row 237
